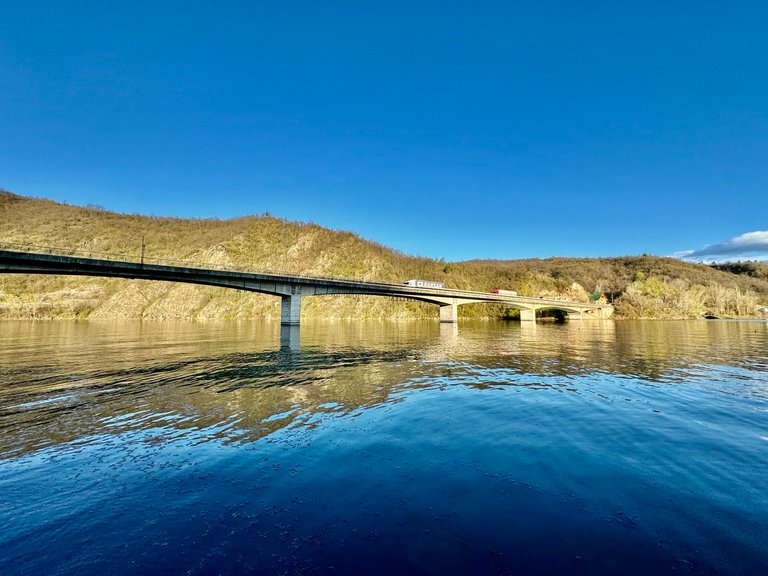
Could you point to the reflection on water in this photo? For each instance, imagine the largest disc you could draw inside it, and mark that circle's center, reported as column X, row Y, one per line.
column 88, row 379
column 636, row 445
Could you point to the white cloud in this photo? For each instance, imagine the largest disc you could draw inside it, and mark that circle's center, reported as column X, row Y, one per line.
column 749, row 246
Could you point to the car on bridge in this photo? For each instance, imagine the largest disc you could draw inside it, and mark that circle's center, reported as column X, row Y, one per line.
column 504, row 292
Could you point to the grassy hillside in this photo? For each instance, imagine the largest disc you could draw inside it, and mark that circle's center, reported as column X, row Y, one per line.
column 643, row 286
column 640, row 286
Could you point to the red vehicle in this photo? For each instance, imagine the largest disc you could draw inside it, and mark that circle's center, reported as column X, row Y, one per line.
column 503, row 292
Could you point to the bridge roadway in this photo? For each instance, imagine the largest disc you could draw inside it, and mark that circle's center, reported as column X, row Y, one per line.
column 289, row 287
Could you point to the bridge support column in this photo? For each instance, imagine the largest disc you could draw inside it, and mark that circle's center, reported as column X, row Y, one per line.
column 449, row 313
column 527, row 315
column 290, row 314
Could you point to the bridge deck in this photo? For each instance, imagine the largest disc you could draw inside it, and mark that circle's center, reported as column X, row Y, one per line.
column 33, row 262
column 291, row 288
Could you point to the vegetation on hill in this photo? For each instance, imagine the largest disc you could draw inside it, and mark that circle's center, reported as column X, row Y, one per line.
column 754, row 269
column 640, row 286
column 643, row 286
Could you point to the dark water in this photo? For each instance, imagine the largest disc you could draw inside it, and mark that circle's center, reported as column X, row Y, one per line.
column 373, row 448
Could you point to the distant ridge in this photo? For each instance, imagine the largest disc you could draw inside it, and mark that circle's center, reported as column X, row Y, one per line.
column 642, row 286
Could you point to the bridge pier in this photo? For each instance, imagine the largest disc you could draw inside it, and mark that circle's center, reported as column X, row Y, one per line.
column 290, row 313
column 527, row 315
column 449, row 313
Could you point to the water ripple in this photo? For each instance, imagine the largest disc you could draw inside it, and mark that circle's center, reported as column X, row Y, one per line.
column 642, row 440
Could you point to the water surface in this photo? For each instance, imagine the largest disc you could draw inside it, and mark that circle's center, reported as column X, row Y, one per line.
column 382, row 448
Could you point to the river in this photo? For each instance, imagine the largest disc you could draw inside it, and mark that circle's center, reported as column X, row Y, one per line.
column 594, row 447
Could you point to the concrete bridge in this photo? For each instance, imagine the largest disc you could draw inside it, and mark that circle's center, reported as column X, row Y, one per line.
column 291, row 288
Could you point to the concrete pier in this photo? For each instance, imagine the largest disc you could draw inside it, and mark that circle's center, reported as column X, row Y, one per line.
column 527, row 315
column 449, row 313
column 290, row 313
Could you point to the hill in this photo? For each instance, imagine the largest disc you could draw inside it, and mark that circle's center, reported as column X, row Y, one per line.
column 641, row 286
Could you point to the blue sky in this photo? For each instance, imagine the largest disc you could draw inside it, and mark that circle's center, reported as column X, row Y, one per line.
column 447, row 129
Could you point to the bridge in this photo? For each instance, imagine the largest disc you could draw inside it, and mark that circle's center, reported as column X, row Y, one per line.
column 291, row 288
